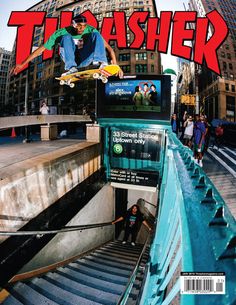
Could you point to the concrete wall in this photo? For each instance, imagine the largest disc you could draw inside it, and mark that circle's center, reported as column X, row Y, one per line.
column 134, row 196
column 42, row 180
column 16, row 121
column 65, row 245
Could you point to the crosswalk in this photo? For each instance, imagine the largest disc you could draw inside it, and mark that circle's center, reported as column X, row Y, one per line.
column 221, row 169
column 226, row 157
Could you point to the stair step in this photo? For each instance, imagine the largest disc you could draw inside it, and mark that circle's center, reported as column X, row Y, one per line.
column 28, row 295
column 102, row 261
column 11, row 301
column 109, row 269
column 121, row 253
column 59, row 295
column 91, row 281
column 117, row 255
column 96, row 279
column 130, row 301
column 98, row 274
column 127, row 247
column 84, row 291
column 112, row 259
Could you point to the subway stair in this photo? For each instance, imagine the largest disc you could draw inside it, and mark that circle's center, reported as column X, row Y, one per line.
column 97, row 278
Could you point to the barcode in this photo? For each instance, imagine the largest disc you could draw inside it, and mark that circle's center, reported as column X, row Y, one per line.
column 202, row 284
column 199, row 285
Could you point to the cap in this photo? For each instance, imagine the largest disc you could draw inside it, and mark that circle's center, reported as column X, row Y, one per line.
column 79, row 19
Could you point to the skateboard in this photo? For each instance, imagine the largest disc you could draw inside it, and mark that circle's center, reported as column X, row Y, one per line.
column 101, row 74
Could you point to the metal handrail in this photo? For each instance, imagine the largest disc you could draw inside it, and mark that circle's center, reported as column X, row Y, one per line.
column 149, row 203
column 128, row 287
column 39, row 233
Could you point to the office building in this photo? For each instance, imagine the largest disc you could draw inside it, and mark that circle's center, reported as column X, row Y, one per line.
column 217, row 93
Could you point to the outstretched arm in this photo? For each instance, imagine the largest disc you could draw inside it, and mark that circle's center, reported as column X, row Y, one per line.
column 111, row 53
column 113, row 57
column 15, row 70
column 118, row 220
column 146, row 225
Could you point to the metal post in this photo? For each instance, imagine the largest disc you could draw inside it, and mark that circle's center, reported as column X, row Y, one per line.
column 196, row 90
column 27, row 131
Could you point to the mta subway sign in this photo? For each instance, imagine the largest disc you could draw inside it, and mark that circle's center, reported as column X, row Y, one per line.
column 135, row 156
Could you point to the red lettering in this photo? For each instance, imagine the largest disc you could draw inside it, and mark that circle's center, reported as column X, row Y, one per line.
column 114, row 28
column 91, row 19
column 133, row 23
column 65, row 18
column 49, row 28
column 208, row 49
column 26, row 22
column 164, row 32
column 117, row 24
column 180, row 34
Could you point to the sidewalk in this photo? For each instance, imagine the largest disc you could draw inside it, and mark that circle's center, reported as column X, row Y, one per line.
column 13, row 154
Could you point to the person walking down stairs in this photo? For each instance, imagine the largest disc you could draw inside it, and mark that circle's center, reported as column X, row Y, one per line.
column 133, row 219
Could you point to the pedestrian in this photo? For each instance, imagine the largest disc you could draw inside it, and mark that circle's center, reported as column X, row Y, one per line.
column 81, row 45
column 174, row 123
column 44, row 108
column 219, row 133
column 199, row 139
column 207, row 135
column 184, row 119
column 133, row 218
column 188, row 131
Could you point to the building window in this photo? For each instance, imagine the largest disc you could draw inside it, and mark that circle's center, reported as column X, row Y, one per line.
column 39, row 74
column 230, row 107
column 224, row 65
column 228, row 55
column 152, row 68
column 141, row 56
column 140, row 68
column 124, row 57
column 226, row 86
column 233, row 88
column 230, row 66
column 222, row 54
column 126, row 68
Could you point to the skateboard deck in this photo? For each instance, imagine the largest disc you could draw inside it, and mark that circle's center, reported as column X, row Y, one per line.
column 102, row 74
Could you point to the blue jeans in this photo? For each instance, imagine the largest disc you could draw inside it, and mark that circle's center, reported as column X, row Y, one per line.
column 93, row 50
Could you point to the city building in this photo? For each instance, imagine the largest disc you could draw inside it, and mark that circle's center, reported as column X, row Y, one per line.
column 217, row 94
column 40, row 77
column 4, row 67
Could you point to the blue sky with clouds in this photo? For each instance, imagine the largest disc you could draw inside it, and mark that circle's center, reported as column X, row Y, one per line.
column 7, row 34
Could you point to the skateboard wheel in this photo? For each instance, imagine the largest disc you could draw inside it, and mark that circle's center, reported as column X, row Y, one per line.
column 104, row 79
column 62, row 82
column 72, row 85
column 95, row 75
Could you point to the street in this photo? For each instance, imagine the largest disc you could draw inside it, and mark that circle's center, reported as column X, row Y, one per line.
column 220, row 166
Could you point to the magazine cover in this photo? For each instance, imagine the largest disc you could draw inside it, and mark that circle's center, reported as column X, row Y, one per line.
column 117, row 152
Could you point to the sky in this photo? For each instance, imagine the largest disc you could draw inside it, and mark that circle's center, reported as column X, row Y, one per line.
column 7, row 34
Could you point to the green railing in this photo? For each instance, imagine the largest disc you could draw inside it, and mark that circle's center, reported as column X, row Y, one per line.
column 195, row 232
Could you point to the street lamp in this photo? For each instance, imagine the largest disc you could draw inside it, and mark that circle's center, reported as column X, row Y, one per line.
column 173, row 76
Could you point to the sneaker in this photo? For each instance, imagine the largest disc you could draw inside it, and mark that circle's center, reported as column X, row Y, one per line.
column 133, row 244
column 71, row 71
column 100, row 64
column 103, row 65
column 123, row 242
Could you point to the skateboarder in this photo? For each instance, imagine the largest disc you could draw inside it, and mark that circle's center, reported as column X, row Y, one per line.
column 81, row 45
